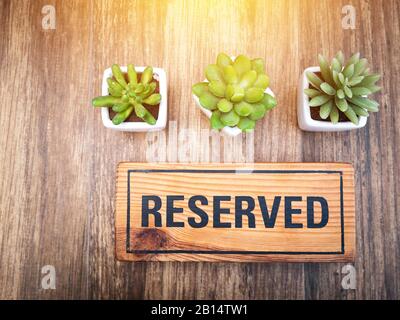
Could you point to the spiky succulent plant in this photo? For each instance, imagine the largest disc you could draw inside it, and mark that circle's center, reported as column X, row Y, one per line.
column 343, row 87
column 127, row 94
column 235, row 92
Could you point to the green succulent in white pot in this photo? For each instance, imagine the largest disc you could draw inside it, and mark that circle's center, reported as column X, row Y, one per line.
column 235, row 94
column 334, row 95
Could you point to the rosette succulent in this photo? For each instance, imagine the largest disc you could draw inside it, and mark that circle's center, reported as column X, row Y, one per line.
column 343, row 87
column 234, row 92
column 127, row 94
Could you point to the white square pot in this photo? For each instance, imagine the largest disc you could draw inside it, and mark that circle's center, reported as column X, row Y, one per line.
column 160, row 76
column 230, row 131
column 307, row 123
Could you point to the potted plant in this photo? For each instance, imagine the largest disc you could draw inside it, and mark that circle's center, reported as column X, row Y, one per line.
column 133, row 99
column 334, row 97
column 235, row 94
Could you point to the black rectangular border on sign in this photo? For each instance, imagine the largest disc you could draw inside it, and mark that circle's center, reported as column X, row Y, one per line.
column 128, row 222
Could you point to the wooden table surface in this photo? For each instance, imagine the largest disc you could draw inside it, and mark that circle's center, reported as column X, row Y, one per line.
column 58, row 162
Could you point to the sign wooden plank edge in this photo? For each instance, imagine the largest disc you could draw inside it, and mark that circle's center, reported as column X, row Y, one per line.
column 348, row 256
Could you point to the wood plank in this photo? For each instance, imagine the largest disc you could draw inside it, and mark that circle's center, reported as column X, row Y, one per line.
column 156, row 222
column 43, row 206
column 373, row 150
column 57, row 179
column 117, row 40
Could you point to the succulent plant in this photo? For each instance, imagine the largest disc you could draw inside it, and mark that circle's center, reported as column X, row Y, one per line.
column 235, row 92
column 343, row 87
column 129, row 96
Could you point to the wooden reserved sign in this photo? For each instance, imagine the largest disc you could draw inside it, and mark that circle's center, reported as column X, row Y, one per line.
column 233, row 212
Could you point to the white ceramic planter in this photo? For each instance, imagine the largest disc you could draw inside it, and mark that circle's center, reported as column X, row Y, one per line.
column 307, row 123
column 160, row 76
column 230, row 131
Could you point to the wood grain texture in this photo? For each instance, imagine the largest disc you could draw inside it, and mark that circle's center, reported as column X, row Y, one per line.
column 57, row 162
column 334, row 182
